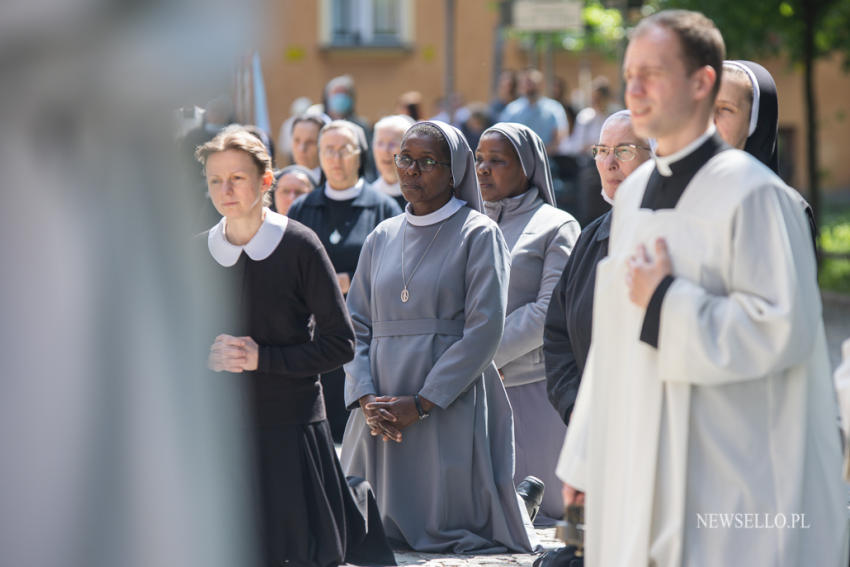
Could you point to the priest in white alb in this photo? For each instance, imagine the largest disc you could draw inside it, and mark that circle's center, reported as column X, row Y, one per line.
column 705, row 428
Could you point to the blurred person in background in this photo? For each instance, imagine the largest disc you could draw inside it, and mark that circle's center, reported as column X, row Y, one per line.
column 386, row 142
column 305, row 142
column 262, row 136
column 290, row 183
column 566, row 335
column 506, row 91
column 540, row 113
column 342, row 212
column 219, row 113
column 339, row 100
column 410, row 104
column 516, row 185
column 119, row 446
column 585, row 133
column 478, row 120
column 588, row 122
column 284, row 138
column 561, row 94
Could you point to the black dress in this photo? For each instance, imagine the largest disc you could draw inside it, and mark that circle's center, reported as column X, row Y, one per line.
column 306, row 510
column 342, row 226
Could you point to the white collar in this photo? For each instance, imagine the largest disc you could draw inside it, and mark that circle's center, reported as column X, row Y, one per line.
column 345, row 194
column 393, row 190
column 663, row 162
column 260, row 247
column 440, row 214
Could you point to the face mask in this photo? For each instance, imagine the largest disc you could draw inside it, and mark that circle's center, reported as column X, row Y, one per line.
column 340, row 103
column 607, row 199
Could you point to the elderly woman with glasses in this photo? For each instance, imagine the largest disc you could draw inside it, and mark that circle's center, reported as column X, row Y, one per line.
column 434, row 432
column 566, row 335
column 342, row 212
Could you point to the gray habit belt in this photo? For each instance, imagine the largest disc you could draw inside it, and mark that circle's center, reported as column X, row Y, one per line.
column 417, row 327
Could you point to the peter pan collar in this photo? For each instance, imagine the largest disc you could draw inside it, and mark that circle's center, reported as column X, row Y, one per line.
column 260, row 247
column 345, row 194
column 663, row 162
column 440, row 214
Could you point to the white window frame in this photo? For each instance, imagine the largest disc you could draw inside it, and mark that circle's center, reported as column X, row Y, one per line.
column 364, row 10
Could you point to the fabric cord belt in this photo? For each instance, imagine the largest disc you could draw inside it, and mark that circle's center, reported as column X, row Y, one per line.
column 417, row 327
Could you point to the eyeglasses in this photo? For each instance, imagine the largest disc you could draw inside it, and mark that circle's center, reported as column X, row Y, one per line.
column 343, row 152
column 289, row 191
column 623, row 152
column 424, row 164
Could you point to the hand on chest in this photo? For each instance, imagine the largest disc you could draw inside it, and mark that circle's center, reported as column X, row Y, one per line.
column 699, row 245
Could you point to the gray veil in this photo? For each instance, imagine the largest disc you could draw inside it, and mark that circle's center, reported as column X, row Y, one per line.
column 532, row 156
column 463, row 165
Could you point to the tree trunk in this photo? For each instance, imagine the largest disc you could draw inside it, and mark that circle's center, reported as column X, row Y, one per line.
column 809, row 19
column 449, row 73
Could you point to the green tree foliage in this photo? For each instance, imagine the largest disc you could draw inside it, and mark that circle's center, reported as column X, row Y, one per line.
column 603, row 31
column 758, row 28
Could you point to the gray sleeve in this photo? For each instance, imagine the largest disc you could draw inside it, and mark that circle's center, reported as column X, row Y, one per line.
column 524, row 325
column 358, row 372
column 486, row 295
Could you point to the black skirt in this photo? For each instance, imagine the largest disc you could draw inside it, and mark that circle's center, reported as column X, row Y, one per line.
column 308, row 514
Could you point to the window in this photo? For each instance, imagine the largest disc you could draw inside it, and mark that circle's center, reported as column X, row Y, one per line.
column 366, row 23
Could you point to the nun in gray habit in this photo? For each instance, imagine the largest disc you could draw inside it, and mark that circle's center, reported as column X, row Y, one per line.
column 428, row 304
column 516, row 184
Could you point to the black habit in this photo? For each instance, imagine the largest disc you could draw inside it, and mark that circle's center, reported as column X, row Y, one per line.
column 566, row 334
column 307, row 513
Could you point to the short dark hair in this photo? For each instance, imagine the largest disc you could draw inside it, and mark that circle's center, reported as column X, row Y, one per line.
column 701, row 41
column 430, row 131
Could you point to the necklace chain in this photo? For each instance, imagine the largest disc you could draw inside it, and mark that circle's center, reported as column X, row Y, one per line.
column 405, row 295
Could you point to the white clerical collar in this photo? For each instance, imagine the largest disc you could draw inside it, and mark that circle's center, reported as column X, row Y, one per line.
column 393, row 190
column 440, row 214
column 663, row 162
column 260, row 247
column 345, row 194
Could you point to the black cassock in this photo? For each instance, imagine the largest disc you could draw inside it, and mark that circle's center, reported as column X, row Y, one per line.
column 306, row 510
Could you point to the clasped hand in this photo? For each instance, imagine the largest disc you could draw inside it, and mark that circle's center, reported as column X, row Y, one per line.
column 644, row 273
column 387, row 416
column 233, row 354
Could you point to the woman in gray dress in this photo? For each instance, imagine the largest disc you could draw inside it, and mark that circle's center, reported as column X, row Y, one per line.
column 513, row 173
column 428, row 304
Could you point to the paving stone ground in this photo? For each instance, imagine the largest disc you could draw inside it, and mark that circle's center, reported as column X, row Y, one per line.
column 547, row 540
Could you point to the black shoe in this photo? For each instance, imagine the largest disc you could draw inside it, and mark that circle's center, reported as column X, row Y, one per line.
column 531, row 491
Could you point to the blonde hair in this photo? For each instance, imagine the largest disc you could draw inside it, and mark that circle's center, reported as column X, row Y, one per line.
column 236, row 137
